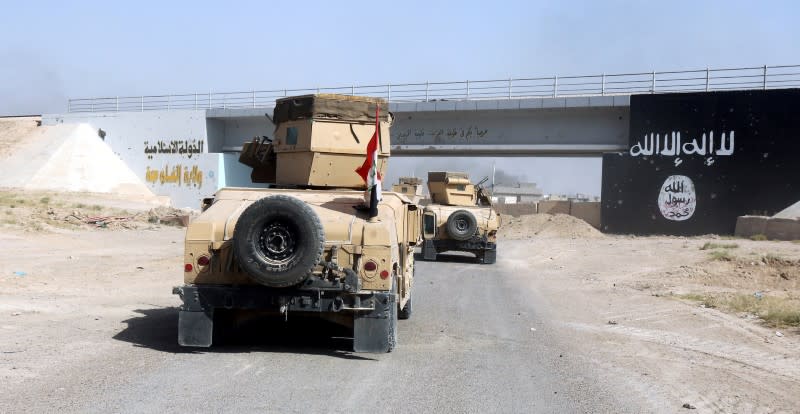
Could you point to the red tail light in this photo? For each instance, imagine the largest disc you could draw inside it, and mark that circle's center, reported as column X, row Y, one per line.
column 203, row 261
column 188, row 267
column 370, row 266
column 384, row 274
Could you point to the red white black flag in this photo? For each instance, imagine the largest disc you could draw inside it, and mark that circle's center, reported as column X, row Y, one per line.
column 369, row 170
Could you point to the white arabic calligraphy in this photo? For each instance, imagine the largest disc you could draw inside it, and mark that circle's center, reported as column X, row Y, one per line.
column 677, row 200
column 651, row 145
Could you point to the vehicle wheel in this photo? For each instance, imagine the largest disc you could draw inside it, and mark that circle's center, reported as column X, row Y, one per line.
column 278, row 240
column 461, row 225
column 406, row 311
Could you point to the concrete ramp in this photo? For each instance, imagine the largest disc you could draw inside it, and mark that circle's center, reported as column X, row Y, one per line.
column 791, row 212
column 69, row 158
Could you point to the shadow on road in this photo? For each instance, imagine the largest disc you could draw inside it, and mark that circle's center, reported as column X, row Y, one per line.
column 157, row 329
column 450, row 258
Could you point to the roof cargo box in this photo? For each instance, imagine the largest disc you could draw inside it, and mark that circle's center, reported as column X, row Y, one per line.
column 451, row 188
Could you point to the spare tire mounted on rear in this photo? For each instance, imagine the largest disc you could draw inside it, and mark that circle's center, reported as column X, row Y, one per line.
column 278, row 240
column 461, row 225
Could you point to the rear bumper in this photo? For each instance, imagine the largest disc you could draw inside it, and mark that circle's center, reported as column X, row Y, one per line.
column 472, row 245
column 206, row 298
column 370, row 311
column 484, row 250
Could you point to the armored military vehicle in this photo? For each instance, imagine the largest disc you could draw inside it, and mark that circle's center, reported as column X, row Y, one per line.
column 459, row 218
column 311, row 242
column 410, row 187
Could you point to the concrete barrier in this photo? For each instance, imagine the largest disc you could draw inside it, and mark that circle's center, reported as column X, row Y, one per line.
column 588, row 211
column 783, row 229
column 772, row 228
column 554, row 207
column 517, row 209
column 748, row 226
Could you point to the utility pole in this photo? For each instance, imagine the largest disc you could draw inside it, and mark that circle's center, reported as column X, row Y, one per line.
column 493, row 169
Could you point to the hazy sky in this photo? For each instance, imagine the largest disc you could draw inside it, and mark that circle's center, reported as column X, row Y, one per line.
column 50, row 51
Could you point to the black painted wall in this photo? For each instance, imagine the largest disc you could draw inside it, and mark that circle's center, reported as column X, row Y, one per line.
column 758, row 172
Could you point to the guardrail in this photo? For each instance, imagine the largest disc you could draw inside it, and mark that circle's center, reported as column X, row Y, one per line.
column 762, row 77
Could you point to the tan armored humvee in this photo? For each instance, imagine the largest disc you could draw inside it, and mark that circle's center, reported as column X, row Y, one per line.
column 308, row 244
column 410, row 187
column 459, row 218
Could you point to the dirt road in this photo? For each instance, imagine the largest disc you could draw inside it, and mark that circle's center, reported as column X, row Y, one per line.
column 557, row 325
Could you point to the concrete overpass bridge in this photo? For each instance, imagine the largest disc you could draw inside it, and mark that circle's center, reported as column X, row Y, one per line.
column 584, row 115
column 543, row 116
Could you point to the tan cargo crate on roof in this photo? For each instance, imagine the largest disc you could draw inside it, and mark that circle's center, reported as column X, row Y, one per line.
column 319, row 141
column 451, row 188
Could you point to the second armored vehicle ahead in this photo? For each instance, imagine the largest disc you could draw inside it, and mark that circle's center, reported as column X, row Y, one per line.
column 410, row 187
column 312, row 242
column 459, row 218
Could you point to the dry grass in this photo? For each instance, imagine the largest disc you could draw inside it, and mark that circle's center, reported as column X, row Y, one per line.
column 758, row 237
column 710, row 245
column 774, row 311
column 722, row 255
column 40, row 211
column 775, row 260
column 692, row 296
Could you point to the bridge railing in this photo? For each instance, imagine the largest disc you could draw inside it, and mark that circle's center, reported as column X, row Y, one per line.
column 719, row 79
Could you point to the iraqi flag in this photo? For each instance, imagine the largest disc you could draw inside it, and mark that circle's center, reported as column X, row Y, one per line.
column 369, row 170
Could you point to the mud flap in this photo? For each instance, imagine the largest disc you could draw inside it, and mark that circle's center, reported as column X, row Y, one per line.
column 195, row 328
column 428, row 250
column 376, row 332
column 489, row 256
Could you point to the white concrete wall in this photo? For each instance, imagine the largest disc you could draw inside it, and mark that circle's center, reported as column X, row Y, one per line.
column 241, row 130
column 168, row 150
column 478, row 128
column 235, row 174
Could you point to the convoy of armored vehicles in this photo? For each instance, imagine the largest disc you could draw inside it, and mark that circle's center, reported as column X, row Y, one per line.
column 311, row 242
column 460, row 217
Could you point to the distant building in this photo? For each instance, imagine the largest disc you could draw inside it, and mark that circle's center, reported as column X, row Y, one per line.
column 516, row 193
column 570, row 197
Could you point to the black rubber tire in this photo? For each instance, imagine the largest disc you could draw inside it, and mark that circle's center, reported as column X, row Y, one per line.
column 461, row 225
column 278, row 240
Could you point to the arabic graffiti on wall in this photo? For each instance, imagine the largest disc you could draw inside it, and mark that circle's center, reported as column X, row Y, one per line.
column 186, row 147
column 177, row 175
column 470, row 132
column 677, row 199
column 672, row 146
